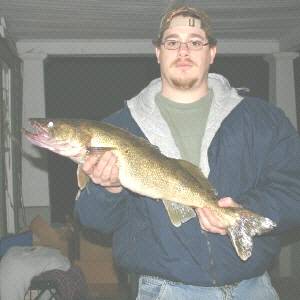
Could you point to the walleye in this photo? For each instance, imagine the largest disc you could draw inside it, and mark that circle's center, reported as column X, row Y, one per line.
column 144, row 170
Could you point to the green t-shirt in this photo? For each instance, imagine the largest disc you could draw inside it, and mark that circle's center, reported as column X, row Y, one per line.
column 187, row 122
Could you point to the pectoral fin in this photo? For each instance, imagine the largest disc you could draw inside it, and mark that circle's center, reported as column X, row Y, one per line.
column 178, row 213
column 101, row 150
column 82, row 178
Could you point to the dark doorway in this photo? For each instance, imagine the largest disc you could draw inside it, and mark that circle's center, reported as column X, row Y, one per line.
column 94, row 87
column 88, row 88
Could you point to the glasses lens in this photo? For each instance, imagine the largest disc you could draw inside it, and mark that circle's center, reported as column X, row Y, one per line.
column 192, row 45
column 195, row 45
column 172, row 44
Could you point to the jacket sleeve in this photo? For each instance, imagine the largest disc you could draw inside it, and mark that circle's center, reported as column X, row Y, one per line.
column 96, row 207
column 277, row 192
column 101, row 210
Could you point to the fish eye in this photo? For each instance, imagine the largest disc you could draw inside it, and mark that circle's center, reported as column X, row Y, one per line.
column 50, row 124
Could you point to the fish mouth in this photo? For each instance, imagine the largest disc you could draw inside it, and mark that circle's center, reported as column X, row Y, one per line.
column 40, row 136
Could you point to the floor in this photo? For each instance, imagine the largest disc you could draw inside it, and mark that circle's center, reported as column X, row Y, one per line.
column 288, row 288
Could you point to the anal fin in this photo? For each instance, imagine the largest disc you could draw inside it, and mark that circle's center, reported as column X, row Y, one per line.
column 178, row 213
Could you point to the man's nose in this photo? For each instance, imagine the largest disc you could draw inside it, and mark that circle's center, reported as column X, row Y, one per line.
column 183, row 49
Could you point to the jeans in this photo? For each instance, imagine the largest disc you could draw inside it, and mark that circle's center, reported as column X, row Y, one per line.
column 154, row 288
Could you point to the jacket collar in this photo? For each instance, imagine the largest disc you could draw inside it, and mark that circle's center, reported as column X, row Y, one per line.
column 147, row 115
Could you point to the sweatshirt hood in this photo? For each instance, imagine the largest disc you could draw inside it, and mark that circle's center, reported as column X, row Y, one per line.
column 147, row 115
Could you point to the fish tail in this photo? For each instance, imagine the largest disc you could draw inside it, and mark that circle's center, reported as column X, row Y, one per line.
column 244, row 229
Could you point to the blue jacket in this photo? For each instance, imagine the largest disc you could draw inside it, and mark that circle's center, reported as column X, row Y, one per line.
column 253, row 157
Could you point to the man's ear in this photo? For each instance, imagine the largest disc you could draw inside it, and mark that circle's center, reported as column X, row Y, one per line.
column 157, row 53
column 213, row 52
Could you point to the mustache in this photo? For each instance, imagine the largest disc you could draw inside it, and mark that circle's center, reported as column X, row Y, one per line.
column 185, row 60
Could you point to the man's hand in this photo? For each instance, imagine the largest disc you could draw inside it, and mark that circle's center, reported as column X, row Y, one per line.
column 209, row 221
column 102, row 168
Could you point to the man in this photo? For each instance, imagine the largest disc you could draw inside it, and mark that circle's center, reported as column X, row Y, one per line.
column 246, row 147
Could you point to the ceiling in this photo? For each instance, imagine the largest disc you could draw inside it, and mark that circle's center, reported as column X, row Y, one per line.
column 129, row 19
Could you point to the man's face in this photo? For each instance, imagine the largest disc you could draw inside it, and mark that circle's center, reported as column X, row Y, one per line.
column 184, row 68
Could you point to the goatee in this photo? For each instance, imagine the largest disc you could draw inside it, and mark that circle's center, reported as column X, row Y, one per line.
column 184, row 83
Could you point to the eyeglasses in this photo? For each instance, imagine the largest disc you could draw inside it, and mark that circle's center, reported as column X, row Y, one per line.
column 192, row 45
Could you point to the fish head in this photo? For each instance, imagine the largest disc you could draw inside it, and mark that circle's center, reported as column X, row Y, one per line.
column 65, row 137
